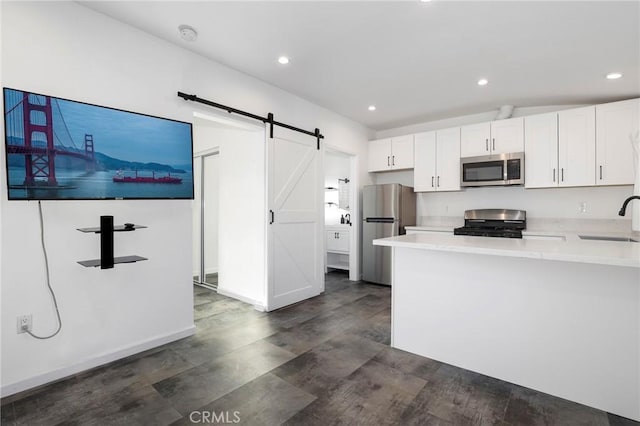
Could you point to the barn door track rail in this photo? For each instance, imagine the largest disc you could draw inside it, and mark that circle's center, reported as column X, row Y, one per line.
column 268, row 119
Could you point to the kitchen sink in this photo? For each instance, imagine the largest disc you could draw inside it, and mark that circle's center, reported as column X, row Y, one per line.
column 605, row 238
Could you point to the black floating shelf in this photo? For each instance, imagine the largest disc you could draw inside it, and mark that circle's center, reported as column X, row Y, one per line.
column 106, row 230
column 119, row 228
column 116, row 260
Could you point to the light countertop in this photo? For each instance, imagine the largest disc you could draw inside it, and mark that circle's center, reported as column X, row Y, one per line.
column 338, row 227
column 568, row 249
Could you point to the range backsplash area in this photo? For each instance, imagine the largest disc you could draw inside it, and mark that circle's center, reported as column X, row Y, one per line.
column 549, row 208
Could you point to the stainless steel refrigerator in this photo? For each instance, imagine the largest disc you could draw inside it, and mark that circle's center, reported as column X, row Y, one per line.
column 386, row 210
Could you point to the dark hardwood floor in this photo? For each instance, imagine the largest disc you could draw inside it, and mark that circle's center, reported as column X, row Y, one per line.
column 325, row 361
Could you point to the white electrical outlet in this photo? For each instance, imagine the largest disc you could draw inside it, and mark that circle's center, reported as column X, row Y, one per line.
column 25, row 322
column 583, row 207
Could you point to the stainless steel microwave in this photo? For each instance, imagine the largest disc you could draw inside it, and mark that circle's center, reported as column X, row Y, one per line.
column 492, row 170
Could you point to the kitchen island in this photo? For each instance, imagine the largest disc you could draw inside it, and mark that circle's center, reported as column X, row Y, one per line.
column 558, row 316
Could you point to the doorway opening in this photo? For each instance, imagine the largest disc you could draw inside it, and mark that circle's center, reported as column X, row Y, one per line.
column 206, row 219
column 341, row 212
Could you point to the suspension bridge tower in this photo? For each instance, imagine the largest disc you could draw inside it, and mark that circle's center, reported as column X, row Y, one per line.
column 39, row 163
column 89, row 153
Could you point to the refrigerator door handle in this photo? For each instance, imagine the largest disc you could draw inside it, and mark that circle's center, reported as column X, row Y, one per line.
column 380, row 220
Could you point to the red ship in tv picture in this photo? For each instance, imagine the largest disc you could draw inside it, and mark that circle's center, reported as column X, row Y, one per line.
column 121, row 178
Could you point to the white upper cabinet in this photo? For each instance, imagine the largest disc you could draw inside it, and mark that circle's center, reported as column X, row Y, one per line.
column 402, row 152
column 391, row 154
column 541, row 150
column 448, row 159
column 424, row 172
column 380, row 155
column 496, row 137
column 474, row 140
column 615, row 122
column 437, row 161
column 577, row 146
column 507, row 136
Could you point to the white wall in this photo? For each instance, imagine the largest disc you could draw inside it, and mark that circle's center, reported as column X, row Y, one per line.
column 563, row 203
column 211, row 191
column 466, row 119
column 211, row 222
column 79, row 54
column 242, row 211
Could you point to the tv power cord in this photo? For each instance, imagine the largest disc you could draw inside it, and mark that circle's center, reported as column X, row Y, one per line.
column 53, row 294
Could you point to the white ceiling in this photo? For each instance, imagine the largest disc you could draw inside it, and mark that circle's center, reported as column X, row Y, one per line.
column 415, row 61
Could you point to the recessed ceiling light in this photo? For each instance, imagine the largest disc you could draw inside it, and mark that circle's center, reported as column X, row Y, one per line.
column 614, row 75
column 425, row 1
column 372, row 107
column 188, row 33
column 483, row 82
column 283, row 60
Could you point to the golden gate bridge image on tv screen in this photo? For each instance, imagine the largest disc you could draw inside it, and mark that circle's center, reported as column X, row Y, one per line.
column 62, row 149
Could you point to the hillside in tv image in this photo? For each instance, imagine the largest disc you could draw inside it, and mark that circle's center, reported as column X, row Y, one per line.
column 73, row 150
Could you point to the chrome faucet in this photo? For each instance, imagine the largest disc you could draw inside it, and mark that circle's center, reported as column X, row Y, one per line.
column 627, row 201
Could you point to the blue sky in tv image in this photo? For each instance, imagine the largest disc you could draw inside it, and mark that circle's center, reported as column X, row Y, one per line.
column 136, row 156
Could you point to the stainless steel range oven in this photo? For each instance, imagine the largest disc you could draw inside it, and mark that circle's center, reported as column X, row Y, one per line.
column 492, row 170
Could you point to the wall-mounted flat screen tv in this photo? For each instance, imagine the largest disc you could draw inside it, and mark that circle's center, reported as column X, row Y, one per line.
column 58, row 149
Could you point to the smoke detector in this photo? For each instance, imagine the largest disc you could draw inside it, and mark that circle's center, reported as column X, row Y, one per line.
column 188, row 33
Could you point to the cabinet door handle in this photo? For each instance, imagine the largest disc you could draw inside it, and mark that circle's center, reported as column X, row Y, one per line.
column 562, row 174
column 432, row 177
column 600, row 172
column 393, row 160
column 486, row 144
column 554, row 174
column 438, row 181
column 494, row 144
column 388, row 163
column 272, row 217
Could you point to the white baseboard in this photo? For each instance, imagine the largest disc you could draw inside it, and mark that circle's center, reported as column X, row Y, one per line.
column 93, row 362
column 257, row 305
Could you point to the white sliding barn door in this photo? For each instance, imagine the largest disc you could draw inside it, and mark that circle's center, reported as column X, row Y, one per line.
column 295, row 202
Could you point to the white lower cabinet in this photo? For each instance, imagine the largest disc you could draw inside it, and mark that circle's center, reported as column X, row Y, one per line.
column 337, row 244
column 437, row 161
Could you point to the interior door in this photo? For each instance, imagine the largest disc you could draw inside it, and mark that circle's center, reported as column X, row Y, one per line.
column 295, row 198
